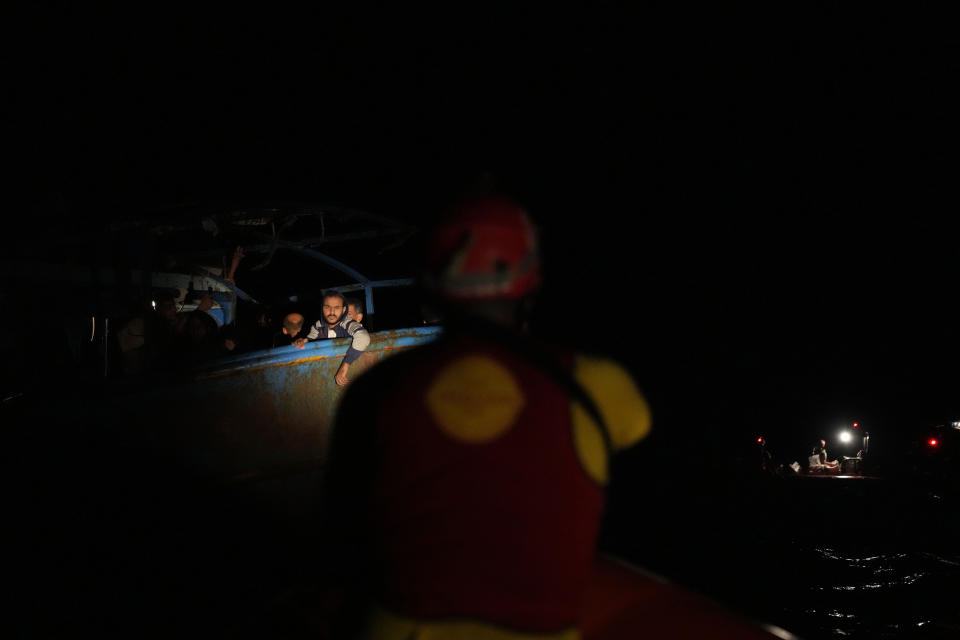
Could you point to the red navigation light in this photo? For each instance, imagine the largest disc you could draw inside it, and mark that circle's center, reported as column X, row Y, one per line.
column 760, row 440
column 932, row 442
column 856, row 424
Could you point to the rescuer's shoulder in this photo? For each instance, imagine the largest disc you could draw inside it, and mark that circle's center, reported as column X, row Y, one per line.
column 617, row 396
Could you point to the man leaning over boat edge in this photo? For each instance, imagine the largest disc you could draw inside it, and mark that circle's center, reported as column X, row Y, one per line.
column 337, row 323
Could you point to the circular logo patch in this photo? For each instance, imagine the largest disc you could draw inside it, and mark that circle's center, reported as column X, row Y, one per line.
column 474, row 399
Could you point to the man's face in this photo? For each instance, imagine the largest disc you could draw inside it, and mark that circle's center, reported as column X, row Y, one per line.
column 332, row 310
column 353, row 313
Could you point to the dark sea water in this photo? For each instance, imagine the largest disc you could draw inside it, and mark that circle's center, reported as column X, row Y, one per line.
column 863, row 559
column 870, row 593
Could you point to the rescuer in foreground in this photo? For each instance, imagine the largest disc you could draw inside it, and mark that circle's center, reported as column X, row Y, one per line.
column 465, row 485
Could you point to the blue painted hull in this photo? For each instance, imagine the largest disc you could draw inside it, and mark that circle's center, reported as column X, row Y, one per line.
column 252, row 418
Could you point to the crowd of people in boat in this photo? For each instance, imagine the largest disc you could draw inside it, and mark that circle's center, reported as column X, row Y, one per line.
column 170, row 336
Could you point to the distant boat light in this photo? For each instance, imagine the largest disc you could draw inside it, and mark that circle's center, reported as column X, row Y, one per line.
column 932, row 442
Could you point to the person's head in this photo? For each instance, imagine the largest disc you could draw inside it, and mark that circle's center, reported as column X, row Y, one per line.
column 165, row 305
column 823, row 443
column 334, row 306
column 355, row 309
column 483, row 259
column 292, row 323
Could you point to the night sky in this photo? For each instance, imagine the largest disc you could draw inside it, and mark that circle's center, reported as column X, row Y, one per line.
column 753, row 209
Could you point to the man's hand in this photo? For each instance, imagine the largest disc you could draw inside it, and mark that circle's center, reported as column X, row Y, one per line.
column 206, row 303
column 341, row 376
column 299, row 343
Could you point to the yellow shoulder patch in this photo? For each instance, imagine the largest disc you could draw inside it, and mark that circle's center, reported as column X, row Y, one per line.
column 621, row 403
column 474, row 399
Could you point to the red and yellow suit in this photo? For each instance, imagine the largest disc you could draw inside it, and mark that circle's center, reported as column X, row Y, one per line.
column 487, row 486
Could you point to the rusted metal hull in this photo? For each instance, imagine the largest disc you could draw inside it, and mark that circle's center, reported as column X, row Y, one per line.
column 250, row 416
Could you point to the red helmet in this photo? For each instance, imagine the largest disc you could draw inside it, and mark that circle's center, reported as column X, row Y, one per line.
column 484, row 249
